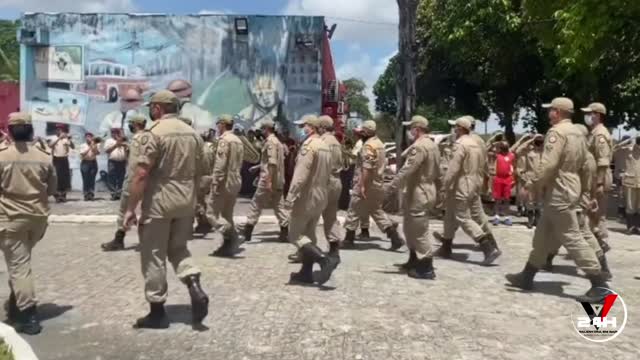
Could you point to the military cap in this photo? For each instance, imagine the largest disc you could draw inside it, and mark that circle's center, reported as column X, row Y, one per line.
column 137, row 119
column 326, row 121
column 464, row 122
column 225, row 119
column 19, row 118
column 164, row 97
column 308, row 120
column 368, row 126
column 595, row 108
column 268, row 122
column 560, row 103
column 417, row 121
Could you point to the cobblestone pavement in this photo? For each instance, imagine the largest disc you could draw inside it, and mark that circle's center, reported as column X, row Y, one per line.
column 89, row 299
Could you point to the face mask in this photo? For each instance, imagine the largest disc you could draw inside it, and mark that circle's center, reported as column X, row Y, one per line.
column 302, row 133
column 588, row 120
column 410, row 136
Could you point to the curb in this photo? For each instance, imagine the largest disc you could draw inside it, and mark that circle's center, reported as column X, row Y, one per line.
column 19, row 347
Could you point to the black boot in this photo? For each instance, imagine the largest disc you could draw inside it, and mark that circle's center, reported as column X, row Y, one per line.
column 423, row 270
column 116, row 244
column 229, row 247
column 334, row 250
column 628, row 219
column 604, row 265
column 202, row 227
column 446, row 247
column 284, row 234
column 27, row 321
column 548, row 267
column 411, row 263
column 295, row 258
column 396, row 240
column 524, row 279
column 199, row 299
column 598, row 292
column 349, row 239
column 11, row 307
column 489, row 249
column 531, row 218
column 364, row 234
column 247, row 232
column 304, row 276
column 155, row 319
column 312, row 253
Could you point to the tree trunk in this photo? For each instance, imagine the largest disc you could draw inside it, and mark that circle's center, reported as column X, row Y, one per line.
column 406, row 77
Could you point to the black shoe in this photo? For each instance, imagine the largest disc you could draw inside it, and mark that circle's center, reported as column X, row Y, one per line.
column 27, row 322
column 364, row 234
column 521, row 211
column 229, row 247
column 311, row 253
column 524, row 279
column 247, row 232
column 334, row 250
column 284, row 234
column 117, row 244
column 199, row 299
column 446, row 247
column 396, row 241
column 598, row 292
column 203, row 227
column 411, row 263
column 155, row 319
column 295, row 258
column 489, row 249
column 11, row 308
column 304, row 276
column 423, row 270
column 349, row 240
column 548, row 266
column 531, row 219
column 604, row 265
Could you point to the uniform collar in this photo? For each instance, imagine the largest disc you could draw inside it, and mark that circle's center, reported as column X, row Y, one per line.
column 168, row 116
column 597, row 127
column 311, row 137
column 563, row 121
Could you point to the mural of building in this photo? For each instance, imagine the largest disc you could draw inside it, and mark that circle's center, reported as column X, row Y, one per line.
column 93, row 71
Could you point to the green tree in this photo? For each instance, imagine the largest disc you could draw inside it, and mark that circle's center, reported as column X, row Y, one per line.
column 356, row 98
column 9, row 51
column 385, row 89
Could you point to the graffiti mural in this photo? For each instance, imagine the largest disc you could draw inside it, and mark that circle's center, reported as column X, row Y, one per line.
column 94, row 71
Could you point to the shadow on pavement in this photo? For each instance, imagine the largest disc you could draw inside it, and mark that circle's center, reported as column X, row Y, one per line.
column 50, row 311
column 363, row 247
column 464, row 257
column 554, row 288
column 570, row 270
column 181, row 314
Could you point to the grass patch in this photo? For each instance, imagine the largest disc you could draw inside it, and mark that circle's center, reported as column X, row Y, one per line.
column 5, row 352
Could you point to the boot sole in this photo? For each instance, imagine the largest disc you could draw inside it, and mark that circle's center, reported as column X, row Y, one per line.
column 28, row 330
column 513, row 283
column 414, row 275
column 140, row 326
column 293, row 280
column 322, row 276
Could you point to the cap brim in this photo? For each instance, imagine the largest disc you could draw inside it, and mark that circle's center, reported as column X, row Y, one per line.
column 587, row 110
column 451, row 122
column 146, row 103
column 406, row 123
column 299, row 122
column 546, row 106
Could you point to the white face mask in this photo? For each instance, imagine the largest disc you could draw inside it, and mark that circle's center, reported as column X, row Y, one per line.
column 410, row 136
column 588, row 119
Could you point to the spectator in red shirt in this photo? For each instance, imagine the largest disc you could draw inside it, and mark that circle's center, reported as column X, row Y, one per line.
column 503, row 182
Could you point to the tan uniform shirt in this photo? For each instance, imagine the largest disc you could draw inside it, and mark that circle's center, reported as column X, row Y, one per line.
column 631, row 175
column 421, row 168
column 335, row 148
column 134, row 153
column 310, row 182
column 601, row 147
column 62, row 148
column 530, row 157
column 27, row 179
column 174, row 151
column 372, row 157
column 485, row 161
column 228, row 163
column 558, row 172
column 272, row 163
column 465, row 168
column 587, row 175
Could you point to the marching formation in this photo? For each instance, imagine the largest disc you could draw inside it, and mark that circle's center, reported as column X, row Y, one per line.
column 175, row 177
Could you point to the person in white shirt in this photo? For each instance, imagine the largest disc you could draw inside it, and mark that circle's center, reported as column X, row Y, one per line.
column 89, row 165
column 60, row 147
column 116, row 148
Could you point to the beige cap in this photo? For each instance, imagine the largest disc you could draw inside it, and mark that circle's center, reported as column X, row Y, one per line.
column 560, row 103
column 137, row 119
column 596, row 108
column 225, row 119
column 19, row 118
column 268, row 122
column 308, row 120
column 417, row 121
column 326, row 121
column 368, row 126
column 464, row 122
column 164, row 97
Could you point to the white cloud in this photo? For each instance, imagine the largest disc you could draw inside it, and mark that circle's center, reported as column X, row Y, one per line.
column 85, row 6
column 371, row 21
column 215, row 12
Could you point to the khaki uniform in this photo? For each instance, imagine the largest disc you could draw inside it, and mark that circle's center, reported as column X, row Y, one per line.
column 308, row 194
column 558, row 174
column 204, row 188
column 631, row 180
column 330, row 214
column 602, row 149
column 445, row 155
column 174, row 152
column 27, row 179
column 225, row 183
column 531, row 158
column 272, row 171
column 134, row 152
column 463, row 185
column 419, row 177
column 371, row 158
